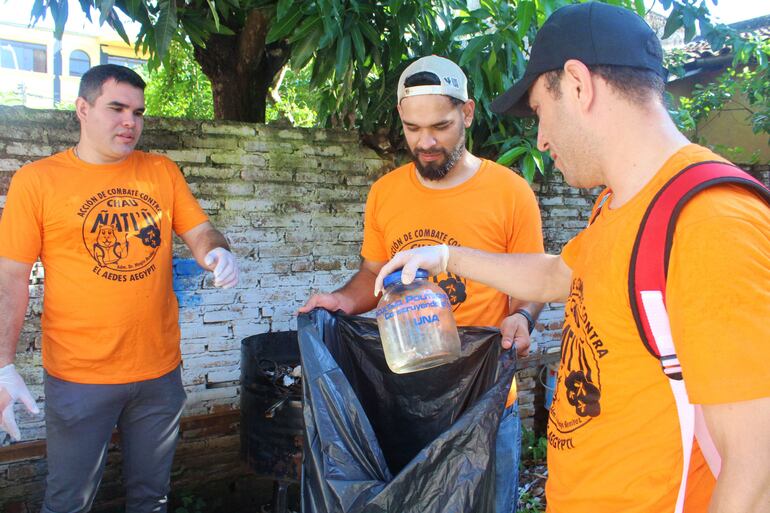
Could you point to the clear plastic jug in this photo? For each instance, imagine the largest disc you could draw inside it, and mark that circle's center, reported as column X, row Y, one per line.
column 417, row 327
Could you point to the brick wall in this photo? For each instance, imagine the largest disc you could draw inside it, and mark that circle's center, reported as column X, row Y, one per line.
column 291, row 203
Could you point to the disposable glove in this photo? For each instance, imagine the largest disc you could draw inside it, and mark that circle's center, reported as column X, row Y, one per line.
column 433, row 259
column 12, row 387
column 225, row 267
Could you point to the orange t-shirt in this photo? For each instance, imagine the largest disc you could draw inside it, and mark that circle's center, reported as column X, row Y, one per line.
column 495, row 210
column 103, row 234
column 613, row 429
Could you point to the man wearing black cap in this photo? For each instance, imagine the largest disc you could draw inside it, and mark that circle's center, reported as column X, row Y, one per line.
column 619, row 437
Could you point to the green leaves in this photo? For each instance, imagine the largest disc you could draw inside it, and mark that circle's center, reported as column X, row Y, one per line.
column 350, row 54
column 105, row 9
column 165, row 27
column 283, row 27
column 511, row 156
column 343, row 56
column 59, row 13
column 746, row 78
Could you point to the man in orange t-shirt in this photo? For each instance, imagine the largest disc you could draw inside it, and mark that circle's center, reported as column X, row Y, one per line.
column 100, row 216
column 446, row 195
column 595, row 81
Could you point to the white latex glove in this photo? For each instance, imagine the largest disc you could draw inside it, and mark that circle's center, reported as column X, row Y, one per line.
column 225, row 267
column 431, row 258
column 12, row 387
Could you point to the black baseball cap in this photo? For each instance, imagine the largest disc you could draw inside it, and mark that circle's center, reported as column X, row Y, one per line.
column 593, row 33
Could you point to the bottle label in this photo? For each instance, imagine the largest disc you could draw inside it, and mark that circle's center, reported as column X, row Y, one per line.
column 415, row 303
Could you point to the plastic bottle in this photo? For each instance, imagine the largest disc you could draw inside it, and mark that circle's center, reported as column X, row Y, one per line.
column 417, row 327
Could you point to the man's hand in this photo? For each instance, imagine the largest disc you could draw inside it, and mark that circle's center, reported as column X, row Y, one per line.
column 12, row 387
column 431, row 258
column 331, row 302
column 515, row 331
column 222, row 263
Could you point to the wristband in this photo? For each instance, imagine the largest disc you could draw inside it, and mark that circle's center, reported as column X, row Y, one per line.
column 528, row 317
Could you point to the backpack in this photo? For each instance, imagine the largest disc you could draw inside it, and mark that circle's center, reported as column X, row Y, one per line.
column 647, row 291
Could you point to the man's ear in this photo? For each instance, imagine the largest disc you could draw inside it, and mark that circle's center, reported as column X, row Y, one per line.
column 469, row 108
column 81, row 108
column 578, row 84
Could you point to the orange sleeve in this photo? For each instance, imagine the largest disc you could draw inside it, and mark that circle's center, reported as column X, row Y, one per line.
column 718, row 299
column 21, row 225
column 373, row 247
column 527, row 234
column 572, row 248
column 187, row 212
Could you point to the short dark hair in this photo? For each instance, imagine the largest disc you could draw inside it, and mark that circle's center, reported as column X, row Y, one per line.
column 423, row 78
column 93, row 79
column 637, row 85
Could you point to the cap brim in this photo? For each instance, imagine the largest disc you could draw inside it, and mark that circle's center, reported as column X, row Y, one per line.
column 514, row 101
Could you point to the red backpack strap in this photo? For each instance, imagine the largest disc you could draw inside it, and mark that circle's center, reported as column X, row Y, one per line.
column 647, row 295
column 649, row 259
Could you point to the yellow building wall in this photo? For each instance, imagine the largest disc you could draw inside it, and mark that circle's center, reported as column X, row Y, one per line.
column 38, row 87
column 730, row 126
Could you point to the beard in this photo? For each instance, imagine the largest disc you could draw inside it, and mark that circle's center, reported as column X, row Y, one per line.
column 437, row 170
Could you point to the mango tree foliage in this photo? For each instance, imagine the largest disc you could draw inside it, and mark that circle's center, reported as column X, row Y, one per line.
column 178, row 88
column 228, row 38
column 355, row 51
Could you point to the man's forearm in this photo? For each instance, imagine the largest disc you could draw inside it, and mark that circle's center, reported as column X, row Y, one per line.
column 530, row 277
column 202, row 239
column 356, row 295
column 14, row 297
column 741, row 434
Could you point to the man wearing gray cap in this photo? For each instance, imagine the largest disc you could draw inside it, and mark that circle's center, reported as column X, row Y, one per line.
column 663, row 394
column 446, row 195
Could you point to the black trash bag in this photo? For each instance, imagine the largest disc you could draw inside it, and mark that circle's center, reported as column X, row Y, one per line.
column 381, row 442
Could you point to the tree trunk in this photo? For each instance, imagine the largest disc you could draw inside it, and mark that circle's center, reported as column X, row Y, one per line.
column 241, row 69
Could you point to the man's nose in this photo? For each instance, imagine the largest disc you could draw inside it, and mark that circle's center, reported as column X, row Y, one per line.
column 542, row 143
column 426, row 141
column 129, row 120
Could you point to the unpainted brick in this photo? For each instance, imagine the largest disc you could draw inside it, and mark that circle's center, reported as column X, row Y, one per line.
column 228, row 128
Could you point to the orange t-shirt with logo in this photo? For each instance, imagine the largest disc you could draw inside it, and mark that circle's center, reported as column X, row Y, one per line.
column 614, row 442
column 495, row 210
column 103, row 234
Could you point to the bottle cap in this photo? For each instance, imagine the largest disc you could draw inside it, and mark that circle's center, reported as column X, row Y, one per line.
column 395, row 277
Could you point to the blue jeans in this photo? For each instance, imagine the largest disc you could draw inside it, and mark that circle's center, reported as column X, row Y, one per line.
column 507, row 454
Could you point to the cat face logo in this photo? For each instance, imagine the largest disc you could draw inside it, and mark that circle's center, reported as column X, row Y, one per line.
column 107, row 249
column 122, row 232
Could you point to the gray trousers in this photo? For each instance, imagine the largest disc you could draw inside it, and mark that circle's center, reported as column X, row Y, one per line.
column 79, row 423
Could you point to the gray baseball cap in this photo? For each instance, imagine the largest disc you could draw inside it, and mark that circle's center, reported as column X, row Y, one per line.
column 452, row 79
